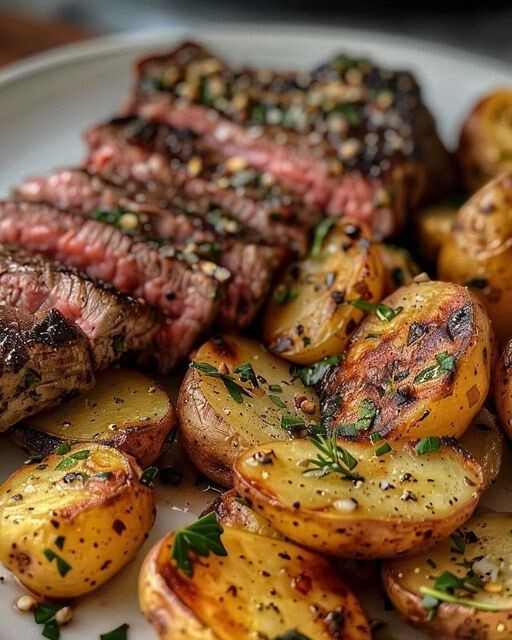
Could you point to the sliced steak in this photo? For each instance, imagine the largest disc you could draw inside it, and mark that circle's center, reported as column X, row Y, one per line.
column 179, row 168
column 44, row 359
column 113, row 322
column 251, row 263
column 348, row 136
column 187, row 297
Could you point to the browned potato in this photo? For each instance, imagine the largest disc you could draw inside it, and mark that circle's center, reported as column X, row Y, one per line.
column 479, row 253
column 503, row 390
column 262, row 588
column 433, row 227
column 126, row 410
column 307, row 319
column 255, row 399
column 484, row 441
column 418, row 366
column 461, row 588
column 399, row 267
column 357, row 499
column 485, row 147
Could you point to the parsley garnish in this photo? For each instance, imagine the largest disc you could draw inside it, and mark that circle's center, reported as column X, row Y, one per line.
column 148, row 476
column 320, row 234
column 235, row 390
column 313, row 373
column 121, row 633
column 62, row 566
column 277, row 401
column 246, row 373
column 365, row 419
column 63, row 448
column 59, row 542
column 275, row 388
column 382, row 450
column 284, row 294
column 72, row 460
column 108, row 216
column 428, row 445
column 382, row 311
column 202, row 537
column 45, row 614
column 444, row 362
column 292, row 423
column 332, row 459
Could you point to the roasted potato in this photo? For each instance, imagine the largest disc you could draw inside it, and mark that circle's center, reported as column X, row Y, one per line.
column 484, row 441
column 479, row 252
column 461, row 588
column 433, row 227
column 485, row 146
column 306, row 319
column 262, row 588
column 126, row 410
column 72, row 521
column 399, row 267
column 237, row 394
column 418, row 366
column 357, row 499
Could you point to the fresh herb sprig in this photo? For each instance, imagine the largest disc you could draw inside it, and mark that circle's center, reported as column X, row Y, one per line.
column 202, row 537
column 332, row 458
column 382, row 311
column 235, row 390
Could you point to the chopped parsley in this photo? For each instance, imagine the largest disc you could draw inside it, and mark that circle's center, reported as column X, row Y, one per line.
column 246, row 373
column 72, row 460
column 45, row 614
column 428, row 445
column 275, row 388
column 319, row 236
column 148, row 476
column 365, row 418
column 121, row 633
column 284, row 294
column 382, row 311
column 293, row 424
column 382, row 450
column 445, row 362
column 277, row 401
column 201, row 537
column 235, row 390
column 63, row 448
column 313, row 373
column 63, row 567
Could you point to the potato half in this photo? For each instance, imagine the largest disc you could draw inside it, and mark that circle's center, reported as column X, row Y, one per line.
column 484, row 441
column 215, row 427
column 485, row 147
column 72, row 521
column 126, row 410
column 306, row 319
column 433, row 227
column 263, row 588
column 481, row 548
column 393, row 501
column 479, row 252
column 418, row 366
column 399, row 267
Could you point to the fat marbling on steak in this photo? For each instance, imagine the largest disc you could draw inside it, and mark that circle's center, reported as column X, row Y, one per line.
column 187, row 298
column 44, row 359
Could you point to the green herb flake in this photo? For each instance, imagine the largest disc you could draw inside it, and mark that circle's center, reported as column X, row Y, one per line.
column 62, row 566
column 445, row 362
column 320, row 235
column 382, row 311
column 148, row 476
column 51, row 631
column 459, row 543
column 382, row 450
column 332, row 458
column 375, row 437
column 284, row 294
column 59, row 542
column 275, row 388
column 235, row 390
column 313, row 374
column 292, row 423
column 277, row 401
column 202, row 537
column 121, row 633
column 246, row 373
column 365, row 418
column 63, row 448
column 432, row 444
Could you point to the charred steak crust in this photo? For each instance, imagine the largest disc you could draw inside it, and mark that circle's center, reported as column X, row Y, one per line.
column 44, row 359
column 188, row 298
column 113, row 322
column 251, row 263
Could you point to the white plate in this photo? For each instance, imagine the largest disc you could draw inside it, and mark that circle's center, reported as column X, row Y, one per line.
column 47, row 102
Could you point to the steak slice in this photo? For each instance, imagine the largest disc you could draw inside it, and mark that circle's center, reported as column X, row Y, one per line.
column 251, row 263
column 187, row 297
column 180, row 169
column 113, row 322
column 349, row 137
column 44, row 359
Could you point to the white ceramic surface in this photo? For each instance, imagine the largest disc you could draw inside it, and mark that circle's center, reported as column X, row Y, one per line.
column 45, row 105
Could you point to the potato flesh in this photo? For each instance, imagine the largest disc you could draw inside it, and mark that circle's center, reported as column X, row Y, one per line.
column 120, row 399
column 314, row 324
column 386, row 359
column 434, row 228
column 399, row 267
column 263, row 588
column 257, row 419
column 484, row 441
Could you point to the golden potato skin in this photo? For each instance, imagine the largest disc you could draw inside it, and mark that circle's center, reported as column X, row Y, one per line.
column 403, row 578
column 433, row 227
column 95, row 523
column 485, row 146
column 399, row 267
column 484, row 441
column 214, row 428
column 126, row 410
column 315, row 323
column 503, row 390
column 479, row 252
column 424, row 498
column 387, row 361
column 263, row 586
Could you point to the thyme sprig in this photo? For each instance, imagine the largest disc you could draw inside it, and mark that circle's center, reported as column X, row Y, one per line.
column 332, row 458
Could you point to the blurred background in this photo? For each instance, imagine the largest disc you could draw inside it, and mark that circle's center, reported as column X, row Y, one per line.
column 27, row 26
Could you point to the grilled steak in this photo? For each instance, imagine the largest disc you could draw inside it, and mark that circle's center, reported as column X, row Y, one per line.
column 44, row 359
column 187, row 297
column 251, row 263
column 348, row 137
column 179, row 168
column 113, row 322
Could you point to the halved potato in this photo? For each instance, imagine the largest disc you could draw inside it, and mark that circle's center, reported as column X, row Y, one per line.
column 220, row 415
column 478, row 253
column 399, row 267
column 484, row 441
column 485, row 147
column 262, row 588
column 126, row 410
column 307, row 319
column 503, row 390
column 481, row 549
column 418, row 366
column 386, row 500
column 72, row 521
column 433, row 227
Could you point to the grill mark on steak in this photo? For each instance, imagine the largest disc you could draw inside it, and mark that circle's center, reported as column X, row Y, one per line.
column 119, row 153
column 252, row 264
column 44, row 360
column 113, row 322
column 187, row 297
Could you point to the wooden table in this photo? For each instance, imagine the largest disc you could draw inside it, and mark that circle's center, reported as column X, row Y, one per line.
column 21, row 36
